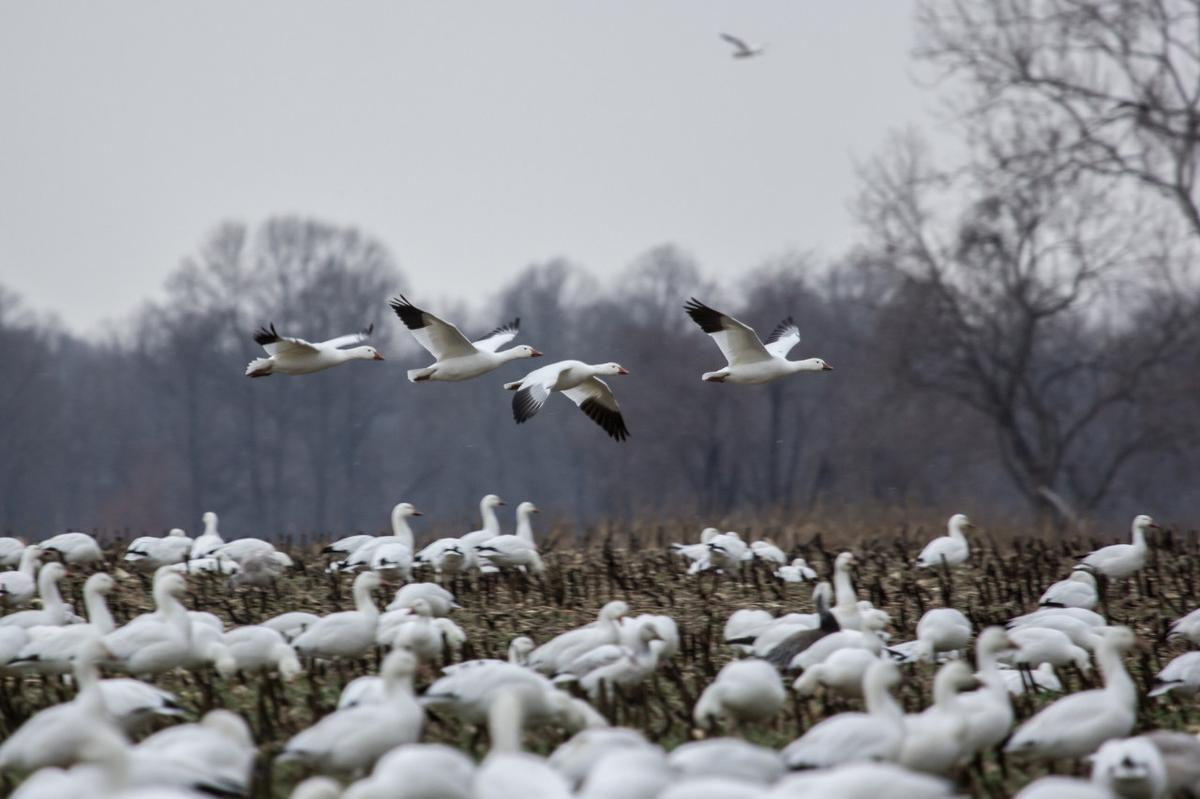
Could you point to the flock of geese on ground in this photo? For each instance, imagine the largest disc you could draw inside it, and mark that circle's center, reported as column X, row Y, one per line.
column 370, row 746
column 748, row 360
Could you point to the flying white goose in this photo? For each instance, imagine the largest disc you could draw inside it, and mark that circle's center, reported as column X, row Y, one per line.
column 581, row 383
column 743, row 50
column 1077, row 591
column 11, row 550
column 1122, row 560
column 149, row 552
column 935, row 741
column 951, row 549
column 456, row 357
column 159, row 641
column 849, row 737
column 348, row 634
column 295, row 356
column 17, row 587
column 797, row 572
column 744, row 690
column 52, row 649
column 748, row 359
column 73, row 547
column 54, row 612
column 1077, row 724
column 514, row 551
column 207, row 542
column 351, row 740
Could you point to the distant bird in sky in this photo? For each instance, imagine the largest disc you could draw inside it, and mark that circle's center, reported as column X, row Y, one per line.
column 581, row 383
column 457, row 357
column 295, row 356
column 742, row 49
column 749, row 359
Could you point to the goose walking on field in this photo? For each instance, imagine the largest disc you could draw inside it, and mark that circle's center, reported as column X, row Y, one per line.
column 1077, row 724
column 951, row 549
column 457, row 358
column 750, row 360
column 348, row 634
column 1119, row 561
column 581, row 384
column 349, row 741
column 295, row 356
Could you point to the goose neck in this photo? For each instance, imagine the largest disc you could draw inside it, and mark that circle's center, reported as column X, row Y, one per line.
column 524, row 526
column 363, row 601
column 490, row 522
column 1117, row 681
column 1139, row 537
column 879, row 700
column 98, row 613
column 48, row 591
column 28, row 565
column 400, row 528
column 843, row 588
column 505, row 721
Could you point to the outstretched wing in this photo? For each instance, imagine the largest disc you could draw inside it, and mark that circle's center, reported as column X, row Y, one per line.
column 785, row 336
column 738, row 342
column 595, row 398
column 275, row 344
column 442, row 339
column 350, row 339
column 499, row 337
column 741, row 46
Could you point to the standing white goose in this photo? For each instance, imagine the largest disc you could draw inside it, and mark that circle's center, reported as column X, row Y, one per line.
column 352, row 739
column 54, row 611
column 149, row 552
column 402, row 534
column 155, row 642
column 457, row 358
column 554, row 655
column 1077, row 591
column 1122, row 560
column 295, row 356
column 348, row 634
column 514, row 551
column 257, row 648
column 209, row 541
column 744, row 690
column 507, row 771
column 989, row 709
column 951, row 549
column 17, row 587
column 52, row 649
column 748, row 359
column 11, row 550
column 1076, row 725
column 581, row 383
column 73, row 547
column 935, row 740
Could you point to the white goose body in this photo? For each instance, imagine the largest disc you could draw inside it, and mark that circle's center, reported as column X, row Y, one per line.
column 257, row 648
column 292, row 623
column 402, row 535
column 939, row 630
column 1077, row 591
column 507, row 771
column 52, row 649
column 348, row 634
column 74, row 547
column 351, row 740
column 218, row 752
column 849, row 737
column 207, row 542
column 951, row 549
column 1119, row 561
column 1181, row 675
column 988, row 709
column 744, row 690
column 517, row 550
column 11, row 550
column 457, row 358
column 580, row 382
column 18, row 587
column 554, row 655
column 1077, row 724
column 798, row 571
column 131, row 702
column 936, row 740
column 150, row 552
column 155, row 642
column 417, row 771
column 295, row 356
column 1038, row 645
column 53, row 613
column 748, row 359
column 1186, row 627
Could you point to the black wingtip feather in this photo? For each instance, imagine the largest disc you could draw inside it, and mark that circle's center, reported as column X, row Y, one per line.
column 266, row 335
column 708, row 319
column 780, row 329
column 512, row 327
column 524, row 405
column 612, row 421
column 412, row 316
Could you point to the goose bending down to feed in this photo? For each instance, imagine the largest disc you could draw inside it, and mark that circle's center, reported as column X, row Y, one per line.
column 1077, row 591
column 951, row 549
column 581, row 383
column 743, row 49
column 457, row 358
column 798, row 571
column 150, row 552
column 295, row 356
column 744, row 690
column 352, row 739
column 750, row 360
column 1181, row 675
column 1122, row 560
column 73, row 548
column 1077, row 724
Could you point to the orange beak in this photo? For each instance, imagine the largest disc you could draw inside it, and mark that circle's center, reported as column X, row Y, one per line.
column 826, row 368
column 622, row 371
column 377, row 357
column 538, row 353
column 417, row 513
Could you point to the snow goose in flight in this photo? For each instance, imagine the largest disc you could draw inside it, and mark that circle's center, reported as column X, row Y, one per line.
column 457, row 358
column 951, row 549
column 1122, row 560
column 749, row 359
column 742, row 49
column 295, row 356
column 581, row 383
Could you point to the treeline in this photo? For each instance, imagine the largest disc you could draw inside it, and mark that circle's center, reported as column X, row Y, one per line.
column 1014, row 337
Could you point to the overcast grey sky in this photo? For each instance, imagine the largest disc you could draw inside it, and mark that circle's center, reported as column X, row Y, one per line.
column 471, row 137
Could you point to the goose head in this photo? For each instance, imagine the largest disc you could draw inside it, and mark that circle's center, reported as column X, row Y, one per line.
column 363, row 353
column 526, row 508
column 1119, row 638
column 1144, row 522
column 210, row 521
column 490, row 501
column 812, row 365
column 519, row 648
column 613, row 610
column 523, row 351
column 404, row 510
column 844, row 562
column 958, row 523
column 176, row 533
column 610, row 369
column 99, row 583
column 993, row 641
